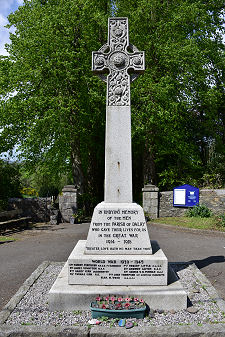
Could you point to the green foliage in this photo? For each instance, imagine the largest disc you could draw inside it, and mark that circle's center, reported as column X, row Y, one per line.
column 211, row 223
column 42, row 182
column 57, row 111
column 10, row 184
column 212, row 180
column 200, row 211
column 29, row 192
column 7, row 239
column 178, row 105
column 222, row 218
column 53, row 107
column 79, row 216
column 103, row 318
column 77, row 312
column 113, row 321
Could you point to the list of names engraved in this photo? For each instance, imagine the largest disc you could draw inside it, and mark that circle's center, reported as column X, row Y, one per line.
column 136, row 271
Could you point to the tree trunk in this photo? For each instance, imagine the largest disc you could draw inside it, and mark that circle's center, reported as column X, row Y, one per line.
column 77, row 171
column 149, row 168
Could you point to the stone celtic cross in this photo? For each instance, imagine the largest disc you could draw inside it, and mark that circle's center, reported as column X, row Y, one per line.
column 115, row 58
column 118, row 63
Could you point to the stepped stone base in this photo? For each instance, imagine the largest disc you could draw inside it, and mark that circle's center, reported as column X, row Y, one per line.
column 117, row 270
column 66, row 297
column 121, row 275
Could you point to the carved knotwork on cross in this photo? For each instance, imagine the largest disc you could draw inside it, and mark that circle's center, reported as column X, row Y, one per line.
column 114, row 64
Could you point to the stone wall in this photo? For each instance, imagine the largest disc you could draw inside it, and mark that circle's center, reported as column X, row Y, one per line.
column 151, row 200
column 213, row 199
column 36, row 208
column 68, row 202
column 166, row 205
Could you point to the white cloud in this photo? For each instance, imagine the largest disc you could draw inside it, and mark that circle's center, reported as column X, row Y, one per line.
column 3, row 20
column 4, row 33
column 5, row 6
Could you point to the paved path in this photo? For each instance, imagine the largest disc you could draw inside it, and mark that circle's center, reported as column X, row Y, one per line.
column 20, row 258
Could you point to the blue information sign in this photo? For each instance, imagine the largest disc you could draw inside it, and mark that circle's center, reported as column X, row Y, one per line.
column 185, row 196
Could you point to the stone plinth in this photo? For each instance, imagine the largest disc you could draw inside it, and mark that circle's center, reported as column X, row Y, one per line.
column 66, row 297
column 117, row 269
column 68, row 202
column 151, row 200
column 118, row 228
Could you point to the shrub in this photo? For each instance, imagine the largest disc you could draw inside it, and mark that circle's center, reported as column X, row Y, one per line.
column 28, row 191
column 222, row 217
column 200, row 211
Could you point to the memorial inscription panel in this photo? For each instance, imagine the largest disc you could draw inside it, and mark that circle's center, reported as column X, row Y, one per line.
column 117, row 269
column 118, row 230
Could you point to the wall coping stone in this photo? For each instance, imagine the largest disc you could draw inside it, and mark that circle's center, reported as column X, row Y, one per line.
column 166, row 192
column 150, row 188
column 69, row 188
column 217, row 191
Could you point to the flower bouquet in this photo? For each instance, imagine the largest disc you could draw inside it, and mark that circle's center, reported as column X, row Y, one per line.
column 118, row 307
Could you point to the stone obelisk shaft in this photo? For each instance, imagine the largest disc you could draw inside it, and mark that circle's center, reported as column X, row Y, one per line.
column 118, row 163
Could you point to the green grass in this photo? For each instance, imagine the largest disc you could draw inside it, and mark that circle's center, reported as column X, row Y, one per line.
column 77, row 312
column 6, row 238
column 212, row 223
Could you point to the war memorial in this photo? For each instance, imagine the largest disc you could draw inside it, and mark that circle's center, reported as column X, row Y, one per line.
column 118, row 256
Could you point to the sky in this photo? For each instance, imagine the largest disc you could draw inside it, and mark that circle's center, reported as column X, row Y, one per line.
column 6, row 7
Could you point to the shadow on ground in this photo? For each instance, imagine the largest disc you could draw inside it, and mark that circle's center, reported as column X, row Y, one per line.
column 37, row 227
column 207, row 261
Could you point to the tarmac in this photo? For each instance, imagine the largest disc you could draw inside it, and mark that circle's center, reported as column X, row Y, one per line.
column 54, row 243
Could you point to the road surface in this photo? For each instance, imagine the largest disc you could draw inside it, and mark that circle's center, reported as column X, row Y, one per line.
column 18, row 259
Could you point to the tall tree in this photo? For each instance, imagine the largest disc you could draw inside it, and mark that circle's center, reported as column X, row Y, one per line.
column 178, row 105
column 55, row 109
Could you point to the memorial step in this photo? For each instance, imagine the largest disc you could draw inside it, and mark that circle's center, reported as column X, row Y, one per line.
column 127, row 270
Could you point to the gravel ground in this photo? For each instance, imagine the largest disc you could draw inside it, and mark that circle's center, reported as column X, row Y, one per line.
column 33, row 308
